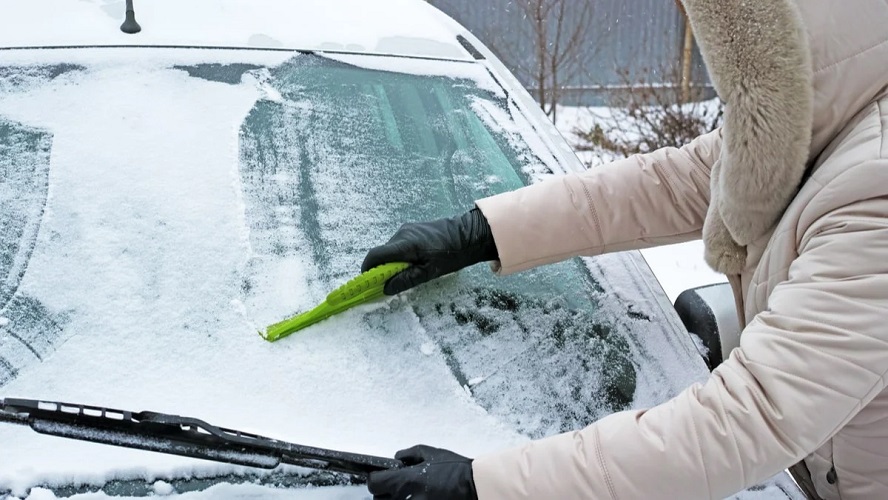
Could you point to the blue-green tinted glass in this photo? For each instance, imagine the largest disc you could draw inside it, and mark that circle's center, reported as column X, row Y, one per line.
column 341, row 156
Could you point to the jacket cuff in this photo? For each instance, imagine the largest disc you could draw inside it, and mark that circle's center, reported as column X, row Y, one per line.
column 561, row 466
column 539, row 224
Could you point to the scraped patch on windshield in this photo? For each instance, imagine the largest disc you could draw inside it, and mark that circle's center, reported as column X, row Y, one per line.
column 510, row 123
column 215, row 72
column 28, row 331
column 343, row 157
column 457, row 70
column 26, row 77
column 494, row 339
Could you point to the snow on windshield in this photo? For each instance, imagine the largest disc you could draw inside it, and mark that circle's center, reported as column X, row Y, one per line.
column 162, row 246
column 163, row 206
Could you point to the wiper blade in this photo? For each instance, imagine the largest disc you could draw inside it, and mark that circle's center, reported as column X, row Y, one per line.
column 185, row 436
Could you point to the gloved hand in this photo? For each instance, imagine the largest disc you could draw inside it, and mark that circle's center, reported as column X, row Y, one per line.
column 432, row 474
column 434, row 249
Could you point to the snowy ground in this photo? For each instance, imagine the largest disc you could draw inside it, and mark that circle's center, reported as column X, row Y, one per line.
column 677, row 267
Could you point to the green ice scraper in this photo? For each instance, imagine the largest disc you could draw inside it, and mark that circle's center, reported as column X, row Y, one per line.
column 366, row 287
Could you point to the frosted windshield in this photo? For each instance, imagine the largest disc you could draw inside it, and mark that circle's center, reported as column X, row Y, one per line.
column 157, row 211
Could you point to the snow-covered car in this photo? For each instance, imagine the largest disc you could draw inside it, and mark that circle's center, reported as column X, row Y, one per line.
column 166, row 194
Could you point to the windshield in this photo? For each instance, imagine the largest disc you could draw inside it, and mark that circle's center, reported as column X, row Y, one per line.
column 160, row 207
column 344, row 157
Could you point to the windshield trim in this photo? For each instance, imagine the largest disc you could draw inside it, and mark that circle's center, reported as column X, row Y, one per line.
column 269, row 49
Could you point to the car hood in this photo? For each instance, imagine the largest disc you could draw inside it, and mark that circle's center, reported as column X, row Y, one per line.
column 344, row 25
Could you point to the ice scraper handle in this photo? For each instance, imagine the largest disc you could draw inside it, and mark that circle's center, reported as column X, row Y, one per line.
column 434, row 249
column 362, row 289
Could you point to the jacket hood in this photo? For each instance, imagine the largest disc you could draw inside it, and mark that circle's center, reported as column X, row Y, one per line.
column 849, row 50
column 792, row 75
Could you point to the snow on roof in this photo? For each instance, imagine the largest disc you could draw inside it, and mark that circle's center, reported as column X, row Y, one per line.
column 402, row 27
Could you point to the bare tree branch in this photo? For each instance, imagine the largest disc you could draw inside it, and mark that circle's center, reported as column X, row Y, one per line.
column 562, row 43
column 645, row 116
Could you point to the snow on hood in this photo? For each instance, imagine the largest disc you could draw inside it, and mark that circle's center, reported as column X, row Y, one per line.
column 344, row 25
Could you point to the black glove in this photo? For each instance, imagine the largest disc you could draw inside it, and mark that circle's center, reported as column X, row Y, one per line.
column 434, row 249
column 432, row 474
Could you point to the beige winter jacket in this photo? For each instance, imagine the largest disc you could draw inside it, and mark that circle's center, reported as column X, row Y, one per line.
column 808, row 380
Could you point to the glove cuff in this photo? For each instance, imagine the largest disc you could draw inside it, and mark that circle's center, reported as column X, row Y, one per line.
column 483, row 243
column 473, row 492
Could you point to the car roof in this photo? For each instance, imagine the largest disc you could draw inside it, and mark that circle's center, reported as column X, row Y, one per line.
column 399, row 27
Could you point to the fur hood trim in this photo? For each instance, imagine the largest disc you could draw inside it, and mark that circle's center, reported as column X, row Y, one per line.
column 759, row 61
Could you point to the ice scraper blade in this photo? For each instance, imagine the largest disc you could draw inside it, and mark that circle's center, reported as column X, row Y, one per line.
column 362, row 289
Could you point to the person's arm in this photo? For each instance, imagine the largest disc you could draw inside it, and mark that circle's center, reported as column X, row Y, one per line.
column 645, row 200
column 642, row 201
column 804, row 368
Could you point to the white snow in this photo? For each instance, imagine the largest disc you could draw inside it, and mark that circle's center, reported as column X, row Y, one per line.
column 571, row 119
column 428, row 348
column 163, row 488
column 500, row 120
column 704, row 351
column 336, row 25
column 141, row 247
column 3, row 321
column 244, row 491
column 41, row 494
column 680, row 267
column 664, row 363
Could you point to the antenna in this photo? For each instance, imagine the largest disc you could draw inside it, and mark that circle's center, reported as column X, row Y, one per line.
column 130, row 25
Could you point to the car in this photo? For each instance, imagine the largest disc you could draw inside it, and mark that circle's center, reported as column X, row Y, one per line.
column 170, row 188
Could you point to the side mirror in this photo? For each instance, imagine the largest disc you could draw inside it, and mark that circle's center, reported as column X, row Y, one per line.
column 709, row 313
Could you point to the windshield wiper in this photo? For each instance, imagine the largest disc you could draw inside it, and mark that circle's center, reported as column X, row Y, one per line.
column 184, row 436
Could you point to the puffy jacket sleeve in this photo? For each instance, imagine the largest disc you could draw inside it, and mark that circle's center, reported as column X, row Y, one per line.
column 642, row 201
column 804, row 368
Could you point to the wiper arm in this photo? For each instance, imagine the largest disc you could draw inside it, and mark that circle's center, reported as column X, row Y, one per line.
column 183, row 436
column 130, row 26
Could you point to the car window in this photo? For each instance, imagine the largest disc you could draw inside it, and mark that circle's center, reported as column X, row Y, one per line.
column 158, row 211
column 347, row 154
